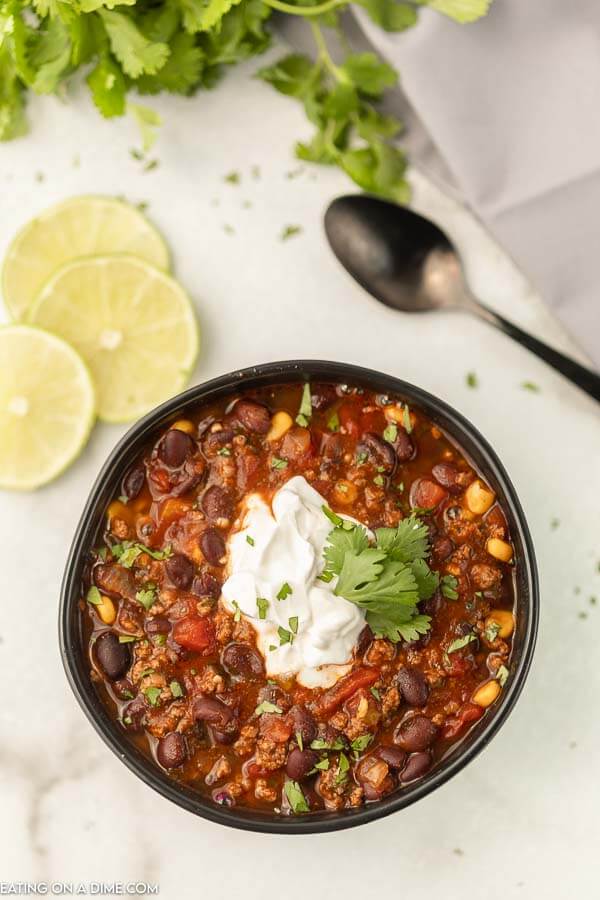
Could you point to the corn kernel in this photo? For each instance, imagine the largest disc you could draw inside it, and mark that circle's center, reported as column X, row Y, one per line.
column 503, row 619
column 184, row 425
column 478, row 497
column 501, row 550
column 345, row 492
column 106, row 610
column 486, row 694
column 281, row 422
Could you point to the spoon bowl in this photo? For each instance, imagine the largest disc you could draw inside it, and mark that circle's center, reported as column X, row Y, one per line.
column 409, row 264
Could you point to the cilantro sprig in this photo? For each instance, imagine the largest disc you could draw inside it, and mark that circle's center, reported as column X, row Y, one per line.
column 180, row 46
column 387, row 578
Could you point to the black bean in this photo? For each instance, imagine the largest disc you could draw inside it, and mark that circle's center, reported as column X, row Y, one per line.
column 123, row 688
column 212, row 711
column 217, row 502
column 365, row 639
column 441, row 548
column 413, row 686
column 217, row 439
column 300, row 763
column 212, row 546
column 416, row 733
column 171, row 751
column 175, row 447
column 404, row 446
column 206, row 585
column 380, row 452
column 134, row 481
column 252, row 416
column 393, row 756
column 417, row 765
column 223, row 737
column 448, row 476
column 113, row 657
column 180, row 570
column 304, row 724
column 242, row 660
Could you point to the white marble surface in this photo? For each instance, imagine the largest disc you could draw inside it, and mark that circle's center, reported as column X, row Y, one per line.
column 522, row 820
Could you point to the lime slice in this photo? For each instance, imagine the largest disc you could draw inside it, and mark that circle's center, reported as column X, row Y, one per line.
column 133, row 325
column 81, row 226
column 47, row 406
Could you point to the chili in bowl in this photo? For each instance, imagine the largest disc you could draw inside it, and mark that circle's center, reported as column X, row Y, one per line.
column 300, row 597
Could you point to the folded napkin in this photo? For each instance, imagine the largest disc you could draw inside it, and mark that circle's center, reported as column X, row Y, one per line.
column 506, row 111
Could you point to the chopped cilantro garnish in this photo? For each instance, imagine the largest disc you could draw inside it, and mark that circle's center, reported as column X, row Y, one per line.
column 320, row 744
column 238, row 613
column 176, row 689
column 284, row 591
column 293, row 623
column 448, row 587
column 461, row 642
column 160, row 640
column 127, row 552
column 361, row 743
column 285, row 636
column 502, row 675
column 127, row 638
column 491, row 632
column 333, row 422
column 379, row 480
column 300, row 740
column 262, row 606
column 295, row 797
column 325, row 576
column 152, row 695
column 333, row 517
column 272, row 647
column 146, row 597
column 250, row 540
column 267, row 707
column 343, row 767
column 391, row 432
column 406, row 420
column 278, row 463
column 362, row 457
column 94, row 597
column 305, row 411
column 376, row 693
column 322, row 765
column 224, row 451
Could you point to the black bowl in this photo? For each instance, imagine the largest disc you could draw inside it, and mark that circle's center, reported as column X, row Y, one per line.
column 75, row 658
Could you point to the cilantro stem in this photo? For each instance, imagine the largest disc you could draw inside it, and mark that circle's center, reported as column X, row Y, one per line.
column 294, row 10
column 324, row 54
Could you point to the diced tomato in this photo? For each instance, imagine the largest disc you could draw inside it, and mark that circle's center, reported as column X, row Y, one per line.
column 466, row 715
column 346, row 686
column 195, row 633
column 248, row 464
column 426, row 494
column 348, row 413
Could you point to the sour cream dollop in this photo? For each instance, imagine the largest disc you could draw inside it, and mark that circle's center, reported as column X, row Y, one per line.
column 282, row 546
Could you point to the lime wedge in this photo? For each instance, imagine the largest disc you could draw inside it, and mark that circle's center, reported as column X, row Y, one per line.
column 81, row 226
column 47, row 406
column 133, row 325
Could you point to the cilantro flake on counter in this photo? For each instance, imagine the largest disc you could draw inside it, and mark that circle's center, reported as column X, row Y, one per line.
column 232, row 178
column 472, row 380
column 531, row 386
column 290, row 231
column 250, row 540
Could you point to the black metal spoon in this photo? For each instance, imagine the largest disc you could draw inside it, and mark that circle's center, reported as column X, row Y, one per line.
column 408, row 263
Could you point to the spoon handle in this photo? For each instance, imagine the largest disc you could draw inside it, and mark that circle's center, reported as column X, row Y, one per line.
column 583, row 377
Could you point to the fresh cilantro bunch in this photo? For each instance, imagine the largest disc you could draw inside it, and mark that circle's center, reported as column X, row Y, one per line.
column 144, row 47
column 387, row 578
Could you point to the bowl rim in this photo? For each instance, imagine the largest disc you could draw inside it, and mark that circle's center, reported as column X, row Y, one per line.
column 128, row 446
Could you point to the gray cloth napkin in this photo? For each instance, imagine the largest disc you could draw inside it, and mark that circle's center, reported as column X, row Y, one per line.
column 507, row 112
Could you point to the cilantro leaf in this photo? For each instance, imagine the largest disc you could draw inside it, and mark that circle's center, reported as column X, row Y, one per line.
column 358, row 572
column 148, row 121
column 427, row 581
column 462, row 11
column 390, row 15
column 135, row 52
column 295, row 797
column 461, row 642
column 407, row 542
column 366, row 72
column 342, row 541
column 107, row 84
